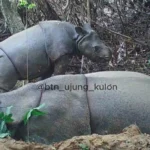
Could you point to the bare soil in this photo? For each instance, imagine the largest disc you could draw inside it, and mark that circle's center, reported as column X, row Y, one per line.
column 131, row 138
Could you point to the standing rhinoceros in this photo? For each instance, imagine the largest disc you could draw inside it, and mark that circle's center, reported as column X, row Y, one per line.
column 45, row 49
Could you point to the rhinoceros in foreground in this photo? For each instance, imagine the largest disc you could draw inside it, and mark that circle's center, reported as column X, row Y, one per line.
column 45, row 49
column 102, row 102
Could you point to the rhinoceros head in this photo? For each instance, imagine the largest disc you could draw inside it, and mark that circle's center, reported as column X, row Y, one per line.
column 90, row 45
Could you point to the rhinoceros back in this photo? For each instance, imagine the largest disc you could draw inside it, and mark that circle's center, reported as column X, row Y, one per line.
column 59, row 37
column 26, row 51
column 32, row 51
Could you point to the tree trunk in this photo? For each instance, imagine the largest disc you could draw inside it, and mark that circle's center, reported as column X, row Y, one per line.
column 42, row 11
column 11, row 16
column 74, row 11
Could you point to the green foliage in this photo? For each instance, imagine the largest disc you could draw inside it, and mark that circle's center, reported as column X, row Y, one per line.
column 7, row 118
column 4, row 119
column 25, row 4
column 84, row 147
column 31, row 6
column 33, row 112
column 22, row 3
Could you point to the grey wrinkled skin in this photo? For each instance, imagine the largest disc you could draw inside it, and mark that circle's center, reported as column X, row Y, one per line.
column 44, row 49
column 81, row 112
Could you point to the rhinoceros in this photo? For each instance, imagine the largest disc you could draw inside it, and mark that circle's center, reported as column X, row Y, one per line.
column 102, row 103
column 45, row 49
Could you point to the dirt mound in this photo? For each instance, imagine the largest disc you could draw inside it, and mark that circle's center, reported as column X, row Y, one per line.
column 130, row 139
column 9, row 144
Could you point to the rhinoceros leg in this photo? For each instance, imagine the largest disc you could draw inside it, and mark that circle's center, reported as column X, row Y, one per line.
column 61, row 65
column 47, row 74
column 8, row 75
column 58, row 68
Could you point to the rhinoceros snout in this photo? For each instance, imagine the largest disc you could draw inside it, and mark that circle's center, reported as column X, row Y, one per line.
column 107, row 54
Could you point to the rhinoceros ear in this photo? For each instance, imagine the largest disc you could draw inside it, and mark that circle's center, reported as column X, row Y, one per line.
column 81, row 31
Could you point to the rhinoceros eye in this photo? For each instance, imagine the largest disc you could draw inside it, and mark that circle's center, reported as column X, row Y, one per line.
column 96, row 49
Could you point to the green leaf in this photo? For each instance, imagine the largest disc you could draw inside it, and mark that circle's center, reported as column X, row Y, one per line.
column 22, row 3
column 8, row 110
column 36, row 112
column 41, row 106
column 31, row 6
column 3, row 135
column 33, row 112
column 5, row 118
column 8, row 118
column 2, row 115
column 3, row 127
column 27, row 116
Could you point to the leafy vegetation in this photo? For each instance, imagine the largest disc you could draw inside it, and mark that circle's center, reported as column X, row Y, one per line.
column 4, row 119
column 33, row 112
column 25, row 4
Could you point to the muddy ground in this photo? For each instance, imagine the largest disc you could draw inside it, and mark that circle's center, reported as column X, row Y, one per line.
column 131, row 138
